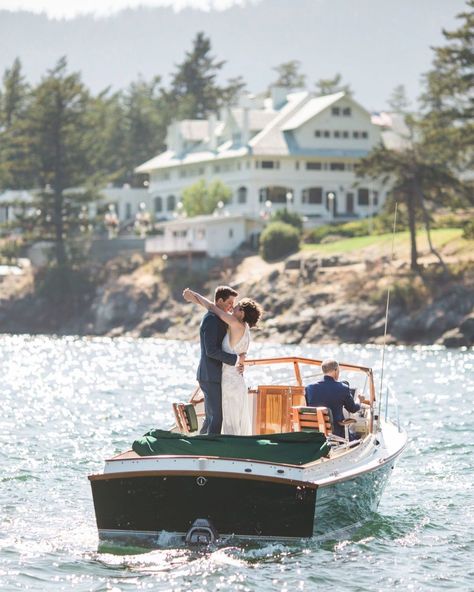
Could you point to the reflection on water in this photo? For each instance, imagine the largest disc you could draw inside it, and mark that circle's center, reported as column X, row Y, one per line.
column 66, row 404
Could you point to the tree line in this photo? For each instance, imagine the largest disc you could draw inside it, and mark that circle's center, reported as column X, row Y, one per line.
column 65, row 141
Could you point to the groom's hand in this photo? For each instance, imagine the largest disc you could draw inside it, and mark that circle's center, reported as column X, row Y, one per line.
column 240, row 363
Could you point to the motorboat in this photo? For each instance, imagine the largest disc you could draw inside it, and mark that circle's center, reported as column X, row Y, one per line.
column 291, row 479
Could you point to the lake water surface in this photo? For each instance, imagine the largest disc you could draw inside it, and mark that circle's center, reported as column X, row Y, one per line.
column 66, row 404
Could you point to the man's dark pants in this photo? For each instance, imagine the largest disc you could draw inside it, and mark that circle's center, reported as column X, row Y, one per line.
column 213, row 407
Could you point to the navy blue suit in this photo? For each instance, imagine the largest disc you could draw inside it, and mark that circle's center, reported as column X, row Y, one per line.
column 334, row 395
column 209, row 374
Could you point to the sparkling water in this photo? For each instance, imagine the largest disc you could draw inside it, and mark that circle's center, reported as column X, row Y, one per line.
column 66, row 404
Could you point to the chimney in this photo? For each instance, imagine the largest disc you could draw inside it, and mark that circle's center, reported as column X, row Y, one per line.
column 278, row 94
column 245, row 132
column 211, row 122
column 173, row 138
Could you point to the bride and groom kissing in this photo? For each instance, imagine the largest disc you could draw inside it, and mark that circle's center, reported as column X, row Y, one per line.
column 225, row 337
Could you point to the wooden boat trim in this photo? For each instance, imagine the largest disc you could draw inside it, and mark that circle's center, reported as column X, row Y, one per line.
column 198, row 473
column 218, row 458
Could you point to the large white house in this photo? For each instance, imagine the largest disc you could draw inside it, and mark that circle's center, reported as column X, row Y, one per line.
column 292, row 150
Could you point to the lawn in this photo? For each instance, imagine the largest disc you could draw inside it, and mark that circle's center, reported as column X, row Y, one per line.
column 383, row 242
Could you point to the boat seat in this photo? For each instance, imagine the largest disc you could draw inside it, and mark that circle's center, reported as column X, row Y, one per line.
column 312, row 418
column 345, row 423
column 186, row 418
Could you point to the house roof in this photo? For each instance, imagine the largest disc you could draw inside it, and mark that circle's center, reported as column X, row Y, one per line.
column 274, row 135
column 271, row 139
column 258, row 118
column 310, row 110
column 194, row 130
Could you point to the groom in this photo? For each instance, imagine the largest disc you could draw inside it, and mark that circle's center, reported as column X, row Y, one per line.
column 209, row 374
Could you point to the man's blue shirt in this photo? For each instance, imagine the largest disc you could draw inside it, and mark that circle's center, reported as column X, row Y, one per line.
column 334, row 395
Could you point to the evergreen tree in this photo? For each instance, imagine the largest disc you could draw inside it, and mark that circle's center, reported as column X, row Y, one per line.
column 57, row 125
column 424, row 170
column 289, row 75
column 194, row 91
column 328, row 86
column 448, row 100
column 15, row 145
column 398, row 100
column 146, row 120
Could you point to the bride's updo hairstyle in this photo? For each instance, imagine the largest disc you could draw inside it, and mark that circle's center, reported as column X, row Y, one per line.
column 252, row 311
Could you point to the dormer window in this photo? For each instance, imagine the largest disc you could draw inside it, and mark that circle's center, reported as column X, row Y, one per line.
column 336, row 111
column 346, row 112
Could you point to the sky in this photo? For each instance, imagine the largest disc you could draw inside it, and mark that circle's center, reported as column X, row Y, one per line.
column 59, row 9
column 375, row 44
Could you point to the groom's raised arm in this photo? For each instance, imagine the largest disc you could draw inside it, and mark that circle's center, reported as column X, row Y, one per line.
column 211, row 343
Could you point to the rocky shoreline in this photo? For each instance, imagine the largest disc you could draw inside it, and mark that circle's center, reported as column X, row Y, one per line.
column 307, row 298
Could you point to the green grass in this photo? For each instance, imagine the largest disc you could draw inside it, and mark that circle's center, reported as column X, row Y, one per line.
column 383, row 242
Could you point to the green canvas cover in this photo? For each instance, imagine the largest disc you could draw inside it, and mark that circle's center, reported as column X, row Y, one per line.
column 295, row 448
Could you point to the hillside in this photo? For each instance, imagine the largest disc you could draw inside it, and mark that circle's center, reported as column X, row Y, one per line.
column 326, row 293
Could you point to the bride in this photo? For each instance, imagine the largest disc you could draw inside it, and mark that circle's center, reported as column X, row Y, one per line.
column 236, row 418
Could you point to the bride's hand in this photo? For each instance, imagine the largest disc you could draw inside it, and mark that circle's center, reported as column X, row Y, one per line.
column 188, row 295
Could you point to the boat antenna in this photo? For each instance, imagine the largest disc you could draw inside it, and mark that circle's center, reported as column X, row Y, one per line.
column 387, row 307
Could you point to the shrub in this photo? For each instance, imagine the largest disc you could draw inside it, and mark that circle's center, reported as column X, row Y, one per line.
column 279, row 240
column 287, row 217
column 468, row 230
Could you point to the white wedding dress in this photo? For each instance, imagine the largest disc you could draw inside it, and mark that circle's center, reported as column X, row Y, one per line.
column 235, row 399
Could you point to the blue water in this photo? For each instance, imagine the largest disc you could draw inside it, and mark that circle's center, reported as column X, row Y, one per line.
column 66, row 404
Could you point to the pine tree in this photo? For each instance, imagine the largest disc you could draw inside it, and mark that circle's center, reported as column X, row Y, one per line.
column 57, row 125
column 328, row 86
column 15, row 144
column 289, row 75
column 194, row 92
column 448, row 100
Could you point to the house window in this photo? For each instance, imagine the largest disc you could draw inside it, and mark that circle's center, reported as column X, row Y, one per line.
column 128, row 211
column 345, row 134
column 355, row 134
column 267, row 164
column 346, row 111
column 337, row 166
column 313, row 195
column 326, row 134
column 242, row 195
column 297, row 165
column 313, row 166
column 200, row 233
column 158, row 204
column 170, row 203
column 231, row 232
column 364, row 134
column 337, row 134
column 336, row 111
column 217, row 168
column 317, row 134
column 363, row 196
column 375, row 198
column 275, row 194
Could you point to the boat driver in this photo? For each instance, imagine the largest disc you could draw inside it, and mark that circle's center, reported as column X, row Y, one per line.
column 334, row 395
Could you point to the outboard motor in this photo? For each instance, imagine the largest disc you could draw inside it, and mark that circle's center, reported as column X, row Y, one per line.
column 201, row 533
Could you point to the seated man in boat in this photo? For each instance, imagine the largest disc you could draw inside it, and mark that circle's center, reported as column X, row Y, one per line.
column 331, row 393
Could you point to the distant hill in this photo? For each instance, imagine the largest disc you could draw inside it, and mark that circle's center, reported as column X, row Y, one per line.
column 375, row 45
